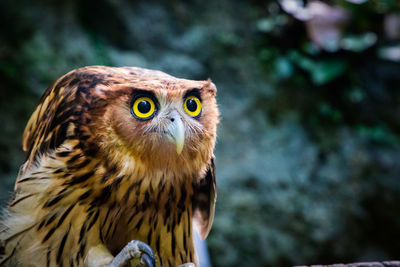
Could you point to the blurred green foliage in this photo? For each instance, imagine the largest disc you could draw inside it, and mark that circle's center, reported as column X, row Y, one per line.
column 308, row 147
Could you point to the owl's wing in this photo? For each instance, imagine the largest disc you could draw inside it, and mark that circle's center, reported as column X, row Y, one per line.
column 64, row 105
column 48, row 125
column 205, row 195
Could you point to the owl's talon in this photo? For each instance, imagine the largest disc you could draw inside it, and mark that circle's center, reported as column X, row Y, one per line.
column 135, row 252
column 147, row 260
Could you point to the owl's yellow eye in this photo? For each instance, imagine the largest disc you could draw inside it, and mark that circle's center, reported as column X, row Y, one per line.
column 192, row 106
column 143, row 108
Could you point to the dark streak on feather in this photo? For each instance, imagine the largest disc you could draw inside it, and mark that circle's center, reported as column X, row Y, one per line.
column 108, row 229
column 85, row 195
column 134, row 212
column 115, row 184
column 81, row 250
column 173, row 244
column 58, row 171
column 91, row 150
column 56, row 199
column 158, row 244
column 15, row 202
column 105, row 177
column 94, row 219
column 82, row 164
column 149, row 236
column 189, row 225
column 48, row 257
column 79, row 179
column 62, row 244
column 27, row 179
column 103, row 197
column 51, row 219
column 3, row 261
column 63, row 153
column 82, row 232
column 146, row 201
column 49, row 234
column 64, row 215
column 127, row 194
column 41, row 224
column 104, row 222
column 139, row 224
column 184, row 241
column 167, row 209
column 161, row 262
column 73, row 159
column 17, row 234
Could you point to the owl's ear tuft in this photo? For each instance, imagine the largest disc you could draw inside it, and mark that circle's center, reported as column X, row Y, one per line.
column 210, row 87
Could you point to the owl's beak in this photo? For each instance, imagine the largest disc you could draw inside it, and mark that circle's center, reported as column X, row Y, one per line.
column 176, row 132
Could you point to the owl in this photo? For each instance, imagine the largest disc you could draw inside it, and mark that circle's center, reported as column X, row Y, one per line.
column 119, row 169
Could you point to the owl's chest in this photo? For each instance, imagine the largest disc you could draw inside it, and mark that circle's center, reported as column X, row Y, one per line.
column 156, row 212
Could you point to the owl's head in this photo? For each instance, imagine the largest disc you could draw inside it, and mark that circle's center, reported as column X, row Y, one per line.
column 156, row 119
column 127, row 116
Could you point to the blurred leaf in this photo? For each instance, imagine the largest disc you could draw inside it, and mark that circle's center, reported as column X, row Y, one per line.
column 310, row 48
column 283, row 67
column 356, row 95
column 265, row 25
column 321, row 72
column 326, row 71
column 391, row 53
column 267, row 54
column 357, row 1
column 271, row 23
column 358, row 43
column 327, row 110
column 302, row 61
column 377, row 133
column 229, row 39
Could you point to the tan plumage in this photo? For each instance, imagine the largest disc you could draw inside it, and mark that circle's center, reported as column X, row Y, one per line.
column 97, row 177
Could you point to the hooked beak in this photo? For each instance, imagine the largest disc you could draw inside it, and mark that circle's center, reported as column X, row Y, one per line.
column 176, row 132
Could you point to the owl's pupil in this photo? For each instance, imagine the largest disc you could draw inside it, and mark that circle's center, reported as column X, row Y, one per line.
column 191, row 105
column 144, row 106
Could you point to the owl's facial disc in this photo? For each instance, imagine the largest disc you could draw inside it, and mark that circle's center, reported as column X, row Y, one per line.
column 175, row 131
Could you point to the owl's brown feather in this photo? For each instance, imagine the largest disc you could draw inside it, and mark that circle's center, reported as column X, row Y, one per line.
column 204, row 201
column 94, row 175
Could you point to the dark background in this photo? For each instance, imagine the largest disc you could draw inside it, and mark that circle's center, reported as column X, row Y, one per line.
column 308, row 148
